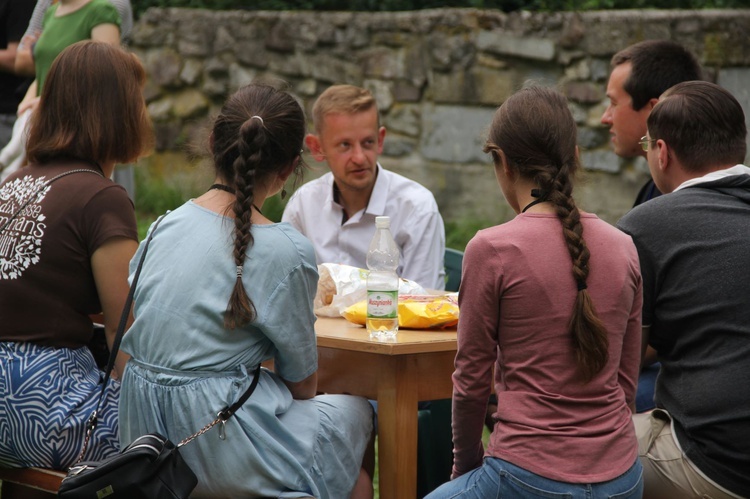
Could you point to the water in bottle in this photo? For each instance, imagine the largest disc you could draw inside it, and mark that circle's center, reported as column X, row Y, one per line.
column 382, row 283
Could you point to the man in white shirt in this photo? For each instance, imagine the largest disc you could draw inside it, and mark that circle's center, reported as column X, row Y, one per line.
column 337, row 211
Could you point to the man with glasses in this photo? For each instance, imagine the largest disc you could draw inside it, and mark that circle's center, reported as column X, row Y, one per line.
column 694, row 250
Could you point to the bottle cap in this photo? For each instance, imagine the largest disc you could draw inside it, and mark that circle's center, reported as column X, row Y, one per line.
column 382, row 222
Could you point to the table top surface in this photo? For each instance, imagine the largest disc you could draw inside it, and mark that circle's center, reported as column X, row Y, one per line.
column 344, row 335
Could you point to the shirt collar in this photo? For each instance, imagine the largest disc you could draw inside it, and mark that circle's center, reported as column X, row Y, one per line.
column 379, row 195
column 715, row 175
column 378, row 198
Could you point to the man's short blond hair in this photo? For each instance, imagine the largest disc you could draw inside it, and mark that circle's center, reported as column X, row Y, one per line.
column 342, row 99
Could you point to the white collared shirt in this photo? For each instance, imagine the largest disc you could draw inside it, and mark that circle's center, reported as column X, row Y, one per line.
column 416, row 225
column 715, row 175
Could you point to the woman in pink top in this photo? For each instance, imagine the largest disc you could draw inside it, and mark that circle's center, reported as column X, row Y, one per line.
column 551, row 300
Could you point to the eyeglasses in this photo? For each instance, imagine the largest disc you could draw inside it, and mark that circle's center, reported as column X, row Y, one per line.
column 645, row 142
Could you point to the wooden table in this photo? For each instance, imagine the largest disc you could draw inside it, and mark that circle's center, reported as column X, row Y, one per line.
column 418, row 366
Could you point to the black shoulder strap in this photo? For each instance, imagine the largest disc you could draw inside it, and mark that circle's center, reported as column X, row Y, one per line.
column 121, row 326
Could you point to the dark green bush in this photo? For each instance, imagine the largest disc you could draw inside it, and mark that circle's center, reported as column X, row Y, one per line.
column 140, row 6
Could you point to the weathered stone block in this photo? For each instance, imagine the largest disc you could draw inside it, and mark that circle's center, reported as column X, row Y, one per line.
column 163, row 67
column 538, row 49
column 189, row 104
column 736, row 81
column 396, row 146
column 215, row 87
column 454, row 134
column 281, row 37
column 583, row 92
column 404, row 119
column 287, row 64
column 160, row 110
column 591, row 138
column 329, row 69
column 381, row 90
column 151, row 34
column 382, row 62
column 195, row 36
column 224, row 40
column 191, row 71
column 478, row 86
column 580, row 70
column 405, row 91
column 239, row 76
column 252, row 53
column 450, row 52
column 306, row 88
column 603, row 161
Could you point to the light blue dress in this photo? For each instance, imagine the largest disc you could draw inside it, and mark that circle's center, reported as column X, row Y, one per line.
column 186, row 367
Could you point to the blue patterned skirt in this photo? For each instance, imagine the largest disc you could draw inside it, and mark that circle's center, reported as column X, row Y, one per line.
column 46, row 396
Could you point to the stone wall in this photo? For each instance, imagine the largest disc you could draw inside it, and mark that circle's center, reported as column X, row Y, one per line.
column 438, row 76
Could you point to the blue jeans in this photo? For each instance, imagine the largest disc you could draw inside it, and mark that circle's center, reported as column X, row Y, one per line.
column 500, row 479
column 644, row 397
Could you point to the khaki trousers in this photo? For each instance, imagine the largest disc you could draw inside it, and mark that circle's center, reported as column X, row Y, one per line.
column 667, row 472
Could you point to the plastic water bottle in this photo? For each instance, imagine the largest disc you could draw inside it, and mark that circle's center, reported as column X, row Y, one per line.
column 382, row 283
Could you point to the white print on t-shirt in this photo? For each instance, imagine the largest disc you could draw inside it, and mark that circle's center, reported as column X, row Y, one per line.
column 21, row 240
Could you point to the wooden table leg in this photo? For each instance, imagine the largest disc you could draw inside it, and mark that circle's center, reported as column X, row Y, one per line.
column 397, row 428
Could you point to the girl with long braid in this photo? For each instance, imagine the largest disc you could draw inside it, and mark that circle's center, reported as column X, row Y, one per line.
column 222, row 290
column 550, row 301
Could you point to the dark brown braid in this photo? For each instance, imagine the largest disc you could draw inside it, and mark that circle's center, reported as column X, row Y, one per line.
column 589, row 335
column 252, row 140
column 257, row 136
column 536, row 131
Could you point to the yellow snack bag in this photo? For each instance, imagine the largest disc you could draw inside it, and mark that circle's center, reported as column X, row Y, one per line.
column 414, row 311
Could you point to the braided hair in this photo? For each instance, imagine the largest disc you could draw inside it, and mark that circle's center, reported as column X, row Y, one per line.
column 258, row 135
column 537, row 133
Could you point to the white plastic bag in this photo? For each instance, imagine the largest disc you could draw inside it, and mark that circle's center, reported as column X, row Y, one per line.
column 340, row 286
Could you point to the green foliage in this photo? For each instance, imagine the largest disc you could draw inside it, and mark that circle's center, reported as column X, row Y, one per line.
column 153, row 197
column 459, row 233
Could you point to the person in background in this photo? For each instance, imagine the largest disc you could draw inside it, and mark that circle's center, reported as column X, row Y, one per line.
column 337, row 211
column 24, row 62
column 247, row 297
column 640, row 74
column 14, row 15
column 65, row 23
column 552, row 301
column 65, row 257
column 694, row 253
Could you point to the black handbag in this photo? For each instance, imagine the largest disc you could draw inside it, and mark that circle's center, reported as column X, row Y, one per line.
column 151, row 467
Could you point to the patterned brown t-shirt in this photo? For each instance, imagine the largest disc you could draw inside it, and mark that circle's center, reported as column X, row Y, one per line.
column 47, row 288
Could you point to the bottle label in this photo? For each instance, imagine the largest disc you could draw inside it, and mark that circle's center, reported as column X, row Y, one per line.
column 382, row 304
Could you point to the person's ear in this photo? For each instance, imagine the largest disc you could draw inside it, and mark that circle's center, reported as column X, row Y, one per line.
column 312, row 142
column 381, row 139
column 505, row 165
column 662, row 155
column 651, row 103
column 284, row 175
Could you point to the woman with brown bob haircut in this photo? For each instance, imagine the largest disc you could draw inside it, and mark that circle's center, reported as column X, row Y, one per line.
column 67, row 233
